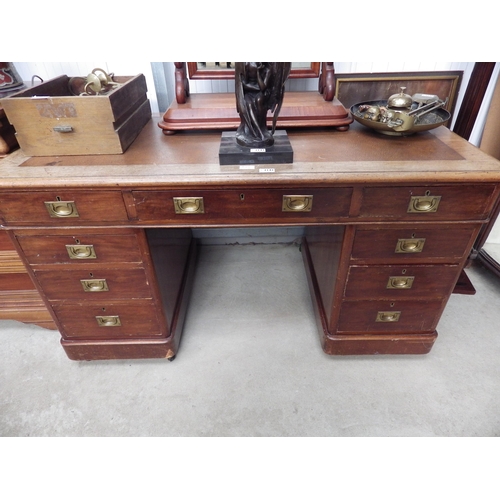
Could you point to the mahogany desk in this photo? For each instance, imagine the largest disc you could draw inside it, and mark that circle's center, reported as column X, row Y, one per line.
column 388, row 225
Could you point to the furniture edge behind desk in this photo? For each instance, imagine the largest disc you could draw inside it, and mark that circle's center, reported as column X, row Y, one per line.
column 389, row 223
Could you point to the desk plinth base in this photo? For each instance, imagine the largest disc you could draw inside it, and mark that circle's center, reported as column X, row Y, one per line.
column 360, row 343
column 231, row 153
column 79, row 350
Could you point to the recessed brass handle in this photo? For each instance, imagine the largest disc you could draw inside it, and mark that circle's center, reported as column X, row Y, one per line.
column 400, row 282
column 81, row 251
column 423, row 204
column 297, row 203
column 189, row 205
column 410, row 245
column 94, row 285
column 108, row 320
column 62, row 209
column 388, row 316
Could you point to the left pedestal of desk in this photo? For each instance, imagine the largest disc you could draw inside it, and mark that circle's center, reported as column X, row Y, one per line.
column 114, row 293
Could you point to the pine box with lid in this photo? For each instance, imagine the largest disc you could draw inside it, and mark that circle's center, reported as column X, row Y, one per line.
column 51, row 121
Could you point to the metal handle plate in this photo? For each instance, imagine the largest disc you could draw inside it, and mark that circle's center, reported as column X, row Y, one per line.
column 62, row 209
column 297, row 203
column 81, row 251
column 400, row 282
column 388, row 316
column 94, row 285
column 410, row 245
column 423, row 204
column 108, row 320
column 192, row 205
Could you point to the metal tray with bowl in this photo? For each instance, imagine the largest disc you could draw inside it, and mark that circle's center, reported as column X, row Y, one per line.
column 402, row 114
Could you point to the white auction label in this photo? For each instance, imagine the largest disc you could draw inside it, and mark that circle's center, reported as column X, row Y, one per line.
column 267, row 170
column 257, row 150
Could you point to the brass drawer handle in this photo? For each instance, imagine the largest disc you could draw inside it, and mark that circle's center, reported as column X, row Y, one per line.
column 388, row 316
column 62, row 209
column 423, row 204
column 297, row 203
column 400, row 282
column 81, row 251
column 94, row 285
column 189, row 205
column 410, row 245
column 108, row 320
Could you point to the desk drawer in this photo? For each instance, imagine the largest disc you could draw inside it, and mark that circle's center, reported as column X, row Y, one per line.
column 132, row 319
column 60, row 208
column 80, row 248
column 243, row 206
column 463, row 202
column 383, row 316
column 414, row 244
column 401, row 282
column 94, row 284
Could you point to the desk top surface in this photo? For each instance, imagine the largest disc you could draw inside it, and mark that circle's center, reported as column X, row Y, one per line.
column 321, row 157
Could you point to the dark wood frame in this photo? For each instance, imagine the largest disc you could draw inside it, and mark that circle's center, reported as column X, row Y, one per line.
column 228, row 74
column 353, row 88
column 473, row 98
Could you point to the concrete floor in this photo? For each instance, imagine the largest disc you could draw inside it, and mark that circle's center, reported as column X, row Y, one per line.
column 250, row 364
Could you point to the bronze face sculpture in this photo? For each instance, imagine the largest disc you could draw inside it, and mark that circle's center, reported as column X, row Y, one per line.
column 259, row 88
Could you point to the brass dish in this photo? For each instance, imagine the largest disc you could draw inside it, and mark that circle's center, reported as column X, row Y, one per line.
column 430, row 120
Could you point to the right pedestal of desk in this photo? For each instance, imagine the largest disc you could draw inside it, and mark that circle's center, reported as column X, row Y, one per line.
column 379, row 286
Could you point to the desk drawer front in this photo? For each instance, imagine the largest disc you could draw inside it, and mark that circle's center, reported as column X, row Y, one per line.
column 60, row 208
column 243, row 206
column 133, row 319
column 80, row 248
column 415, row 244
column 400, row 282
column 389, row 316
column 428, row 202
column 94, row 284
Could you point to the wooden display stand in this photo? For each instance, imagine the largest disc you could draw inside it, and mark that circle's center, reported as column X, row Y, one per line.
column 218, row 111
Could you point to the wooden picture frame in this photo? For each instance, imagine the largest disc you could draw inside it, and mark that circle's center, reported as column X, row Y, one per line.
column 353, row 88
column 195, row 73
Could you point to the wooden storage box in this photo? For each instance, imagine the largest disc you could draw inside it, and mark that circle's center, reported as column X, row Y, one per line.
column 50, row 121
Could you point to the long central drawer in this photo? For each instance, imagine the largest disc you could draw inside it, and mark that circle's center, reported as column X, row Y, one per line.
column 244, row 206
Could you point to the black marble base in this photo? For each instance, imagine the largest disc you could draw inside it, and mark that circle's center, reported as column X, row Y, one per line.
column 231, row 153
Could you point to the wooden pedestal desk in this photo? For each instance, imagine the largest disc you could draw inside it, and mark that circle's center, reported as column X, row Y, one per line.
column 388, row 222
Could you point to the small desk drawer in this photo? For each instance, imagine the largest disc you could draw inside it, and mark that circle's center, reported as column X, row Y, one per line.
column 132, row 319
column 413, row 244
column 80, row 248
column 60, row 208
column 428, row 202
column 94, row 284
column 371, row 316
column 400, row 282
column 243, row 206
